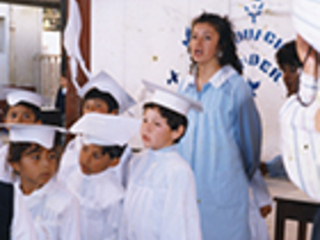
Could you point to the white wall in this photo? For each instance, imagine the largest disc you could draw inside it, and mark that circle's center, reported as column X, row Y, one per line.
column 4, row 43
column 25, row 40
column 142, row 39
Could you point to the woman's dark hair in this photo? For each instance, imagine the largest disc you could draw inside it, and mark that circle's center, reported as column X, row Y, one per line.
column 174, row 119
column 36, row 110
column 113, row 151
column 287, row 54
column 106, row 97
column 226, row 42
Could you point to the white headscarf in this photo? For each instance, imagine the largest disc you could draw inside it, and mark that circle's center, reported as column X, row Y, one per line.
column 306, row 18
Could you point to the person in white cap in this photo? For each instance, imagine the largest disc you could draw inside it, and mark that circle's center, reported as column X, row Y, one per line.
column 161, row 190
column 102, row 94
column 33, row 156
column 15, row 222
column 22, row 107
column 93, row 181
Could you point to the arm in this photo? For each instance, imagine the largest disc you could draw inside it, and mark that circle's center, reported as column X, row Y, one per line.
column 70, row 222
column 248, row 129
column 180, row 217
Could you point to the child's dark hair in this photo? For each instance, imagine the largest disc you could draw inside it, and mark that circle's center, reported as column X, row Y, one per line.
column 113, row 151
column 174, row 119
column 36, row 110
column 17, row 149
column 287, row 54
column 226, row 42
column 106, row 97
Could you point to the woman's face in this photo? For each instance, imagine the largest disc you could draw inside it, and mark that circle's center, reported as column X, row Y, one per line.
column 204, row 43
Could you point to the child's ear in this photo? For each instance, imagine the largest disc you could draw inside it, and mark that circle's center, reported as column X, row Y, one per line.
column 176, row 134
column 16, row 167
column 114, row 162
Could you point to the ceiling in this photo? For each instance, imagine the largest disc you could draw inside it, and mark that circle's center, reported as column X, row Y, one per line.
column 39, row 3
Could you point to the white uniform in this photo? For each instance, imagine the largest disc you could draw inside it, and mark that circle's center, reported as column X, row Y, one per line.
column 260, row 197
column 22, row 225
column 69, row 161
column 161, row 198
column 55, row 212
column 101, row 199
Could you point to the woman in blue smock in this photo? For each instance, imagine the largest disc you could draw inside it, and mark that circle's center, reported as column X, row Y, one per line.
column 222, row 143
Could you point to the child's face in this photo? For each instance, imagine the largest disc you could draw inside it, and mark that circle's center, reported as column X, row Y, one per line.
column 20, row 114
column 155, row 132
column 204, row 43
column 36, row 167
column 93, row 161
column 291, row 78
column 95, row 105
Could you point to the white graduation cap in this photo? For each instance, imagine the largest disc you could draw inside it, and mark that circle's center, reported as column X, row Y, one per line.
column 171, row 100
column 15, row 96
column 105, row 130
column 43, row 135
column 105, row 83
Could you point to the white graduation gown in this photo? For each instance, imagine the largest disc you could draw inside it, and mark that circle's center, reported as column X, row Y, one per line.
column 55, row 212
column 70, row 158
column 101, row 200
column 160, row 202
column 260, row 197
column 22, row 227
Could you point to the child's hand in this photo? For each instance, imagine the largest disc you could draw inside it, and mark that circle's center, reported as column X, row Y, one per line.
column 265, row 210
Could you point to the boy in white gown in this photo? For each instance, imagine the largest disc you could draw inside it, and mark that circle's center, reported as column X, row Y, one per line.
column 23, row 107
column 161, row 202
column 97, row 187
column 32, row 154
column 102, row 94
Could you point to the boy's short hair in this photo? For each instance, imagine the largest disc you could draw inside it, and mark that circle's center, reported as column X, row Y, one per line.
column 174, row 119
column 16, row 149
column 287, row 54
column 36, row 110
column 113, row 151
column 106, row 97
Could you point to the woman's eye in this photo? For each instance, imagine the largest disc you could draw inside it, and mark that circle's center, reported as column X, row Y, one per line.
column 157, row 124
column 208, row 37
column 52, row 156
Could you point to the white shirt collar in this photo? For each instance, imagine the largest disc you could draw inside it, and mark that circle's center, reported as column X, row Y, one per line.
column 216, row 80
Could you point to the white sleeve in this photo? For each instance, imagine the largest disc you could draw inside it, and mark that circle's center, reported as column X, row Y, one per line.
column 260, row 190
column 22, row 223
column 70, row 222
column 180, row 217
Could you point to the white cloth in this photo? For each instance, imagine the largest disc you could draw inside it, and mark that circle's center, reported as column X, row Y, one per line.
column 55, row 212
column 260, row 197
column 6, row 171
column 22, row 227
column 70, row 158
column 160, row 202
column 101, row 199
column 306, row 20
column 301, row 142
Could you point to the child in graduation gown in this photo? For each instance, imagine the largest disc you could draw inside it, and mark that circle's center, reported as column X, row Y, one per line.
column 102, row 94
column 33, row 156
column 93, row 181
column 160, row 202
column 22, row 107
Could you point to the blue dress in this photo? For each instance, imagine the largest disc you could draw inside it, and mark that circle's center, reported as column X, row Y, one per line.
column 222, row 146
